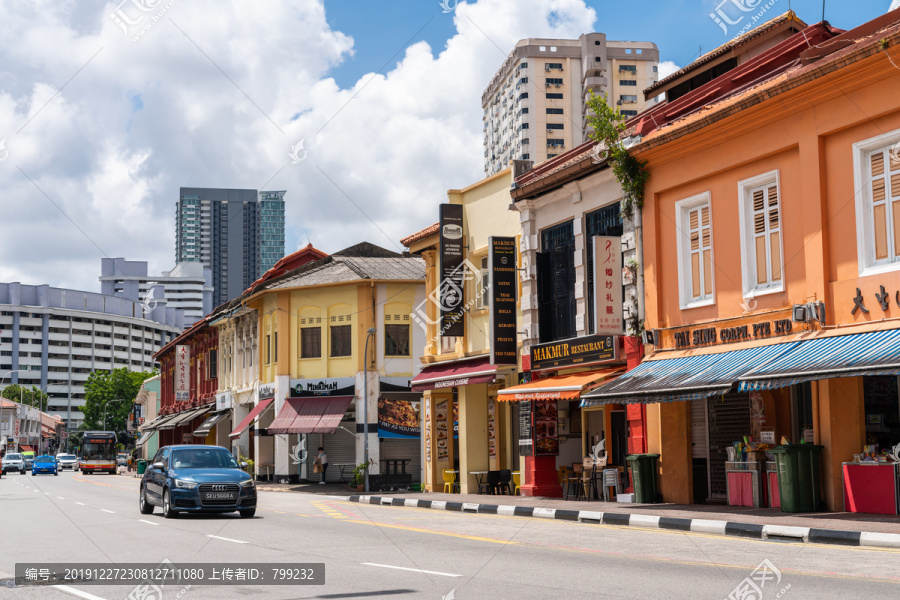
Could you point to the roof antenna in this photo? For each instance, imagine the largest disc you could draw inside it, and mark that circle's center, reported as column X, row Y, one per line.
column 823, row 10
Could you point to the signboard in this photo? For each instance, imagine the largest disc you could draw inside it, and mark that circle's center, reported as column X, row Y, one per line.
column 526, row 431
column 223, row 401
column 608, row 286
column 502, row 266
column 329, row 386
column 442, row 432
column 575, row 352
column 546, row 425
column 492, row 433
column 452, row 270
column 188, row 438
column 398, row 419
column 266, row 390
column 427, row 404
column 182, row 373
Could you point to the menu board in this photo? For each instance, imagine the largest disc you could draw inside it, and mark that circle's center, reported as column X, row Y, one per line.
column 427, row 404
column 442, row 432
column 526, row 431
column 492, row 435
column 546, row 434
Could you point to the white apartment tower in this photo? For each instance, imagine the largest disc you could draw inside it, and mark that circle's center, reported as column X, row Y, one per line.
column 534, row 107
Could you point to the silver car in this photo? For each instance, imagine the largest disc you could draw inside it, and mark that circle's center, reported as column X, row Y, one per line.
column 14, row 461
column 68, row 461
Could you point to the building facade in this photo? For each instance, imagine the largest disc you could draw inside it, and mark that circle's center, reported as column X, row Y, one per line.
column 535, row 105
column 54, row 338
column 187, row 287
column 231, row 231
column 770, row 263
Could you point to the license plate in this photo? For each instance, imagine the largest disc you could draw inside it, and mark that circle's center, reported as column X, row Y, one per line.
column 219, row 496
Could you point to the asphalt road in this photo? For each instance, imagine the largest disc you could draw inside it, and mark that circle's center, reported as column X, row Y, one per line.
column 393, row 552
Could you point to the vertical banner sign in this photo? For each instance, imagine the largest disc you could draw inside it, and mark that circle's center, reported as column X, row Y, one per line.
column 452, row 270
column 502, row 266
column 182, row 373
column 526, row 430
column 608, row 286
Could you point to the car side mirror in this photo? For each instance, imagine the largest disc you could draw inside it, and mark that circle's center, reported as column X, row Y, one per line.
column 158, row 465
column 244, row 465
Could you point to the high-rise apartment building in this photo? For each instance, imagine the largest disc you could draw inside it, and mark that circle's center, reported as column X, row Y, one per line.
column 224, row 229
column 187, row 287
column 536, row 104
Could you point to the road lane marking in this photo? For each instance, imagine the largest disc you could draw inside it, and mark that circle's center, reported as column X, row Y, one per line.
column 80, row 503
column 60, row 498
column 79, row 593
column 108, row 511
column 216, row 537
column 413, row 570
column 148, row 522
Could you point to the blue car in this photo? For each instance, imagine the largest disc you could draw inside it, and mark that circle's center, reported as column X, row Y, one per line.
column 197, row 479
column 44, row 464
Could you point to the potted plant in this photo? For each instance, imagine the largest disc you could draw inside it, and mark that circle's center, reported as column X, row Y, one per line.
column 359, row 477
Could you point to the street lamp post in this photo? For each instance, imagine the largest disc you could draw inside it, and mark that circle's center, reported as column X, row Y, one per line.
column 369, row 334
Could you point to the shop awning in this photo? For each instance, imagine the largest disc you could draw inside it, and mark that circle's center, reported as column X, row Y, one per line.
column 24, row 448
column 560, row 387
column 873, row 353
column 211, row 422
column 184, row 418
column 311, row 415
column 254, row 414
column 684, row 378
column 155, row 423
column 455, row 374
column 144, row 438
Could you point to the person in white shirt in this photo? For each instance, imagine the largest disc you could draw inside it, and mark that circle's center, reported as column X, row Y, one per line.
column 322, row 461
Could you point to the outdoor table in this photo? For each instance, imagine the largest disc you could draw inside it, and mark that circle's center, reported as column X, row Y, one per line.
column 479, row 476
column 267, row 468
column 341, row 467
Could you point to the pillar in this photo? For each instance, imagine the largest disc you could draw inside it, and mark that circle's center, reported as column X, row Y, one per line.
column 841, row 428
column 473, row 435
column 669, row 435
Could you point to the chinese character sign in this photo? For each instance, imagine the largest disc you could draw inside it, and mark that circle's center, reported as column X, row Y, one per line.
column 608, row 286
column 182, row 373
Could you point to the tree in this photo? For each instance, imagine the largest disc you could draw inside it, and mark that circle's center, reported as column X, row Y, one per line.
column 30, row 397
column 115, row 390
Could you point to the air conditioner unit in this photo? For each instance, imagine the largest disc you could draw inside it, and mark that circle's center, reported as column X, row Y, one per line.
column 619, row 102
column 547, row 69
column 558, row 85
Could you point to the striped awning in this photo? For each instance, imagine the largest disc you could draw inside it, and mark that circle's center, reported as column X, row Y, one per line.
column 684, row 378
column 873, row 353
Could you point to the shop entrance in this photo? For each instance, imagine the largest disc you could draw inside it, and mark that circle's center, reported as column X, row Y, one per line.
column 728, row 419
column 882, row 411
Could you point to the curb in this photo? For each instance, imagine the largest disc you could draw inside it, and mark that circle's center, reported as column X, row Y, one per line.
column 745, row 530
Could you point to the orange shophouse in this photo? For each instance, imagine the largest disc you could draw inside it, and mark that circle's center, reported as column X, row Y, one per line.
column 771, row 235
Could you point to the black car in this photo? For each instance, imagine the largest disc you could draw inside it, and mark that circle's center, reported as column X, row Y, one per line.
column 195, row 478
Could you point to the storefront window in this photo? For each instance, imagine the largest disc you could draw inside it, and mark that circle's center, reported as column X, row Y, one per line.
column 882, row 411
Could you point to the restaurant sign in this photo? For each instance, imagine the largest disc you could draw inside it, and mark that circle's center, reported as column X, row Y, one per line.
column 575, row 352
column 526, row 431
column 182, row 373
column 452, row 270
column 708, row 336
column 502, row 264
column 329, row 386
column 400, row 419
column 608, row 285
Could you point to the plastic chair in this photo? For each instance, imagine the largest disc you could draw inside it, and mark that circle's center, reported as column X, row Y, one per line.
column 450, row 483
column 505, row 478
column 516, row 479
column 610, row 480
column 490, row 483
column 563, row 477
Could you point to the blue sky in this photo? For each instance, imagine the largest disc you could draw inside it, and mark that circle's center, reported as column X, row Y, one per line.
column 679, row 27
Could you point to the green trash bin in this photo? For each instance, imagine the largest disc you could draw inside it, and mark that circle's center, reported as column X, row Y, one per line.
column 799, row 477
column 142, row 467
column 643, row 474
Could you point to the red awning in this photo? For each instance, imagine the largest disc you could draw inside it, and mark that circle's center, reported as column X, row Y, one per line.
column 455, row 374
column 248, row 420
column 311, row 415
column 24, row 448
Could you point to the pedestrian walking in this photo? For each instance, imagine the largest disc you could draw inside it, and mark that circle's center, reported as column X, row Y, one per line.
column 321, row 464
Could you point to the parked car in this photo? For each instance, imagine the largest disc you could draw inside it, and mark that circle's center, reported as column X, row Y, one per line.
column 44, row 464
column 196, row 479
column 29, row 458
column 67, row 461
column 122, row 459
column 14, row 461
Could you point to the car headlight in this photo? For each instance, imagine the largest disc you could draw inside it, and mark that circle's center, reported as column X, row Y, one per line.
column 185, row 485
column 248, row 484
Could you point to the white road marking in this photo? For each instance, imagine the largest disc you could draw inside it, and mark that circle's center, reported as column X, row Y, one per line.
column 60, row 497
column 79, row 593
column 413, row 570
column 80, row 503
column 148, row 522
column 226, row 539
column 109, row 511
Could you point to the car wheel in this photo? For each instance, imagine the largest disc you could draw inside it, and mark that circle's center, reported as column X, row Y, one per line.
column 167, row 506
column 248, row 513
column 56, row 473
column 146, row 507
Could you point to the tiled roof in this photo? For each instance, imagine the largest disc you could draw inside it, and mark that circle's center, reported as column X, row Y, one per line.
column 342, row 269
column 424, row 233
column 728, row 47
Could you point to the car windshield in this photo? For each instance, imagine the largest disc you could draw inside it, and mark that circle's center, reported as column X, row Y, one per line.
column 14, row 456
column 44, row 458
column 66, row 456
column 202, row 458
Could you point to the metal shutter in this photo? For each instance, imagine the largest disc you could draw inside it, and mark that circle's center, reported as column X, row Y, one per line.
column 729, row 421
column 340, row 448
column 412, row 449
column 698, row 429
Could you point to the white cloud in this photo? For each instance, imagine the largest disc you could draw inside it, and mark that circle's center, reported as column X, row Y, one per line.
column 666, row 68
column 209, row 97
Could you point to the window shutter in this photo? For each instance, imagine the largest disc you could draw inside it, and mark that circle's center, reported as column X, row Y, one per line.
column 545, row 292
column 879, row 205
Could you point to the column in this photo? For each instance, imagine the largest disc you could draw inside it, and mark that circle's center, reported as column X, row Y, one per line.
column 841, row 428
column 669, row 435
column 473, row 435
